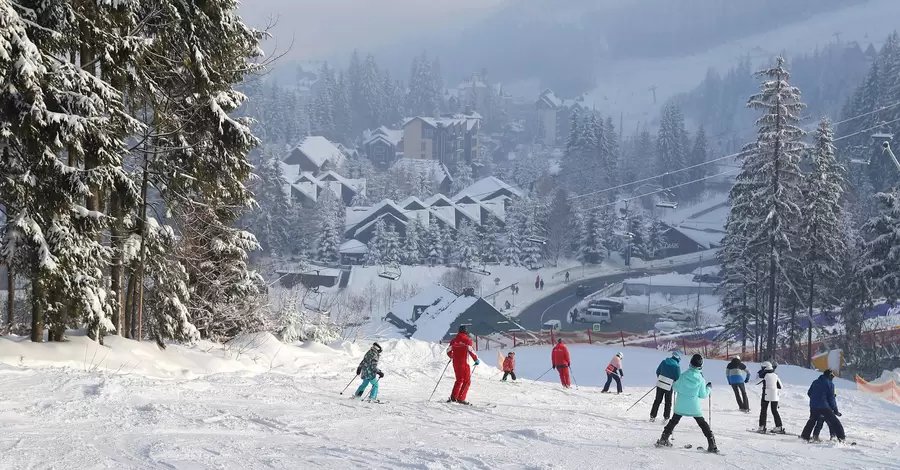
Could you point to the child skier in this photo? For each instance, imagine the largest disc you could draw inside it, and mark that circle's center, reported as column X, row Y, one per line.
column 509, row 366
column 668, row 371
column 691, row 389
column 771, row 386
column 460, row 350
column 368, row 370
column 822, row 404
column 561, row 362
column 614, row 372
column 737, row 375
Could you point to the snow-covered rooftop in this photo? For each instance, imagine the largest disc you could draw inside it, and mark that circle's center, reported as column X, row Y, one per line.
column 432, row 311
column 354, row 247
column 435, row 169
column 486, row 187
column 318, row 150
column 391, row 136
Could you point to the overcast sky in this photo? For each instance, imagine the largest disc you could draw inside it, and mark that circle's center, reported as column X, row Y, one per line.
column 324, row 27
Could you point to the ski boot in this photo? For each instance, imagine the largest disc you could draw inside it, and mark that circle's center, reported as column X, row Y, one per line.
column 665, row 422
column 778, row 430
column 761, row 430
column 652, row 420
column 711, row 445
column 463, row 402
column 664, row 440
column 451, row 400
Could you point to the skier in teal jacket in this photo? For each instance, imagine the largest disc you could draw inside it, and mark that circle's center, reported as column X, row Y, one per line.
column 690, row 388
column 370, row 373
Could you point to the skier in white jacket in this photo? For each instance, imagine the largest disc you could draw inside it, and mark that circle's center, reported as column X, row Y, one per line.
column 771, row 385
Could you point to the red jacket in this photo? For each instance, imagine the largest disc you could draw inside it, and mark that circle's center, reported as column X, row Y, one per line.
column 459, row 346
column 560, row 355
column 509, row 364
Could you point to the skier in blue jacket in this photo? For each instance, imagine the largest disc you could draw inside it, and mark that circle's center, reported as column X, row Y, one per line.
column 737, row 375
column 823, row 404
column 370, row 373
column 668, row 371
column 691, row 389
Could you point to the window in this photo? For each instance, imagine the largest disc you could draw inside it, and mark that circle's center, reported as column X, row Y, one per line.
column 428, row 133
column 379, row 153
column 423, row 145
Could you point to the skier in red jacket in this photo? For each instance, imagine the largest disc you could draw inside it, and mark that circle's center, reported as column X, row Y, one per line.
column 561, row 362
column 460, row 350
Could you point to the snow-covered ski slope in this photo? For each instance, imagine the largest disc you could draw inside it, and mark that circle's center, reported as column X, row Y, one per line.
column 260, row 404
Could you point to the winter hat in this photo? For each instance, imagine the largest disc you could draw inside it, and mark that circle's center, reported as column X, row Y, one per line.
column 676, row 355
column 559, row 341
column 829, row 374
column 376, row 347
column 766, row 366
column 511, row 353
column 697, row 361
column 463, row 329
column 736, row 358
column 621, row 356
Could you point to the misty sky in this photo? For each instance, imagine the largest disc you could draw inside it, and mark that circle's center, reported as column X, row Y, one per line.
column 326, row 27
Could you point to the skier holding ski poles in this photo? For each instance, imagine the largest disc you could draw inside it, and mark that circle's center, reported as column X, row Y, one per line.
column 668, row 371
column 691, row 389
column 370, row 373
column 561, row 362
column 460, row 350
column 771, row 384
column 737, row 375
column 614, row 372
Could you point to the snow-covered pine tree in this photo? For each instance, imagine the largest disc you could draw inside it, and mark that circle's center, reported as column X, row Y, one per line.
column 612, row 229
column 656, row 238
column 354, row 85
column 447, row 244
column 611, row 150
column 328, row 242
column 433, row 248
column 559, row 226
column 491, row 241
column 372, row 94
column 343, row 114
column 422, row 99
column 466, row 248
column 639, row 241
column 392, row 248
column 592, row 248
column 413, row 242
column 462, row 178
column 269, row 220
column 322, row 112
column 766, row 197
column 670, row 151
column 376, row 256
column 883, row 247
column 698, row 156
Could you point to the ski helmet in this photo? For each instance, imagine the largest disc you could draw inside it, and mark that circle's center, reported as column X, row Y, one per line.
column 737, row 358
column 697, row 361
column 766, row 366
column 559, row 341
column 376, row 347
column 828, row 373
column 621, row 356
column 463, row 329
column 676, row 355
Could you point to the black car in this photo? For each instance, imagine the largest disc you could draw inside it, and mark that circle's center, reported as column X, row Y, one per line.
column 581, row 290
column 614, row 306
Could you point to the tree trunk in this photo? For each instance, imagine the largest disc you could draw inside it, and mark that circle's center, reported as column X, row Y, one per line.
column 793, row 330
column 10, row 297
column 744, row 325
column 117, row 267
column 812, row 285
column 37, row 310
column 773, row 251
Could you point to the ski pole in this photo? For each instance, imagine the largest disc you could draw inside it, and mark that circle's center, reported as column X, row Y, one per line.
column 545, row 373
column 439, row 379
column 348, row 385
column 571, row 371
column 639, row 399
column 710, row 407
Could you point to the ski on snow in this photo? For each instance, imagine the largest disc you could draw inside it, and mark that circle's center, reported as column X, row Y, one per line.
column 701, row 448
column 772, row 433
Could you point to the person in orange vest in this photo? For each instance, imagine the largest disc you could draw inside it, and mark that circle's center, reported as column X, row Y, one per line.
column 460, row 350
column 614, row 372
column 562, row 362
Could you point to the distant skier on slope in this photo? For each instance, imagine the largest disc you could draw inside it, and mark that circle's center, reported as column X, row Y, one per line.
column 822, row 404
column 771, row 385
column 737, row 375
column 668, row 371
column 509, row 366
column 690, row 389
column 459, row 351
column 370, row 373
column 561, row 362
column 615, row 372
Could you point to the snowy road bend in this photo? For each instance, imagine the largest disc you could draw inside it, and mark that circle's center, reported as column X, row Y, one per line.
column 277, row 407
column 557, row 305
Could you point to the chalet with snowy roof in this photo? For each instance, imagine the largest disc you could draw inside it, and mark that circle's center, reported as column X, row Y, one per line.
column 306, row 188
column 553, row 115
column 383, row 146
column 314, row 154
column 446, row 139
column 434, row 169
column 353, row 252
column 435, row 314
column 696, row 228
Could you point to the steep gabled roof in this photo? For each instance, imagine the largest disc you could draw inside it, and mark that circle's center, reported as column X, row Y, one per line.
column 433, row 168
column 488, row 188
column 318, row 150
column 391, row 136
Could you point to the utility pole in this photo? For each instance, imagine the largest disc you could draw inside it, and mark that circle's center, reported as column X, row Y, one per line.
column 837, row 35
column 653, row 89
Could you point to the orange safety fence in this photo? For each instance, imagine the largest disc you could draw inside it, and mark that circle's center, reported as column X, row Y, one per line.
column 889, row 390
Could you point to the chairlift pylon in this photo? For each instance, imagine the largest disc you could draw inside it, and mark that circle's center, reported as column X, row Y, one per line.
column 390, row 272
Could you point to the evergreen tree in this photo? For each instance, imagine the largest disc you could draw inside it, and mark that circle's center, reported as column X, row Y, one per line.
column 269, row 219
column 592, row 250
column 559, row 225
column 330, row 211
column 463, row 177
column 882, row 252
column 343, row 115
column 655, row 239
column 377, row 244
column 670, row 149
column 322, row 112
column 434, row 248
column 392, row 250
column 423, row 99
column 412, row 244
column 466, row 248
column 491, row 241
column 372, row 94
column 699, row 156
column 639, row 238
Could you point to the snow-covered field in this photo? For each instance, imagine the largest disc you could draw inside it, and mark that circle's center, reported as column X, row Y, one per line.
column 262, row 404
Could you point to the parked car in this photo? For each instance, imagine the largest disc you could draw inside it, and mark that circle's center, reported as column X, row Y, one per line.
column 708, row 278
column 595, row 315
column 665, row 326
column 679, row 315
column 581, row 290
column 614, row 306
column 551, row 325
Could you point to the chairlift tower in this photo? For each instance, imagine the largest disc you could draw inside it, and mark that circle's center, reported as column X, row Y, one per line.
column 885, row 140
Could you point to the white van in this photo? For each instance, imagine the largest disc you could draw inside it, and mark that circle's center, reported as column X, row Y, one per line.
column 551, row 325
column 595, row 315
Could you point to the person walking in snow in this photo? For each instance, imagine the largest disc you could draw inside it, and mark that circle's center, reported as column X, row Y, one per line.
column 771, row 385
column 615, row 372
column 542, row 284
column 691, row 389
column 369, row 372
column 667, row 372
column 574, row 314
column 567, row 277
column 737, row 375
column 509, row 366
column 460, row 351
column 823, row 405
column 537, row 282
column 561, row 362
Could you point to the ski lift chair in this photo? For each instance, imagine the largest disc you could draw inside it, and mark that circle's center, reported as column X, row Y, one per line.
column 536, row 240
column 480, row 271
column 390, row 272
column 667, row 204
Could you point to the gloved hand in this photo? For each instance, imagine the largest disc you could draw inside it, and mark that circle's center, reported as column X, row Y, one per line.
column 380, row 374
column 747, row 379
column 708, row 384
column 554, row 366
column 838, row 413
column 621, row 373
column 358, row 370
column 477, row 361
column 569, row 365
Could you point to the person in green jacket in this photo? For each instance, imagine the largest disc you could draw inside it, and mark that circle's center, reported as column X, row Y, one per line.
column 690, row 388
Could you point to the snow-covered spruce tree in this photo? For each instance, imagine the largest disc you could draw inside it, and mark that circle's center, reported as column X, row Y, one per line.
column 423, row 99
column 375, row 256
column 322, row 112
column 392, row 250
column 433, row 250
column 466, row 248
column 592, row 248
column 559, row 226
column 412, row 243
column 766, row 197
column 612, row 227
column 447, row 244
column 639, row 242
column 670, row 149
column 883, row 247
column 573, row 160
column 656, row 238
column 343, row 115
column 699, row 155
column 462, row 178
column 491, row 241
column 330, row 211
column 269, row 220
column 372, row 94
column 822, row 220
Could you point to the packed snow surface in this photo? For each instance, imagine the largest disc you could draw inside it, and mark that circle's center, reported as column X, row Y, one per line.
column 258, row 403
